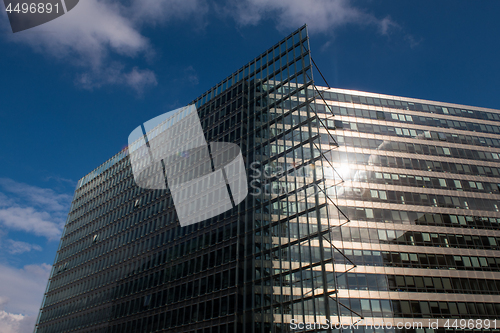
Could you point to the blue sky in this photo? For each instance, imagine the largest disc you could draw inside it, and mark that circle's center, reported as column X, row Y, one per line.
column 73, row 89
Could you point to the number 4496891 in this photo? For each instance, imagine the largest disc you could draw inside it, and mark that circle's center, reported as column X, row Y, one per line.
column 471, row 324
column 33, row 8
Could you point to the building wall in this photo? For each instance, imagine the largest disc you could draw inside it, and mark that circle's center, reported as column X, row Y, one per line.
column 421, row 189
column 359, row 205
column 125, row 265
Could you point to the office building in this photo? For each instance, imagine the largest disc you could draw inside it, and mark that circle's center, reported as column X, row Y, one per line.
column 361, row 207
column 422, row 194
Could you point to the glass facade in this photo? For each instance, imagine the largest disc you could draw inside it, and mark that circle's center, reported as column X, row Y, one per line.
column 422, row 193
column 361, row 207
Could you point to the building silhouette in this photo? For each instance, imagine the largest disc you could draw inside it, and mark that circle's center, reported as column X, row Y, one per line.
column 361, row 208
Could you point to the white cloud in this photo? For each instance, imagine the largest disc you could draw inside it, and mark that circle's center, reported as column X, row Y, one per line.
column 191, row 75
column 320, row 15
column 61, row 180
column 89, row 31
column 16, row 323
column 100, row 36
column 30, row 220
column 98, row 32
column 137, row 78
column 3, row 301
column 42, row 197
column 17, row 247
column 23, row 288
column 87, row 36
column 5, row 201
column 385, row 25
column 32, row 209
column 9, row 323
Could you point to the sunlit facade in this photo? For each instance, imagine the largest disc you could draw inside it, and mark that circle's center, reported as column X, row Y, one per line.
column 422, row 193
column 361, row 207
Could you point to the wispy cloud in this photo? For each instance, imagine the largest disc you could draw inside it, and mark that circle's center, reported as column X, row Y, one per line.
column 61, row 180
column 5, row 201
column 114, row 74
column 191, row 76
column 18, row 247
column 100, row 36
column 320, row 15
column 32, row 209
column 41, row 197
column 414, row 42
column 3, row 301
column 386, row 25
column 29, row 220
column 21, row 291
column 139, row 78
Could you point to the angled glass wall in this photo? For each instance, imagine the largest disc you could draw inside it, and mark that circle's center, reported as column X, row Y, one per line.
column 125, row 265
